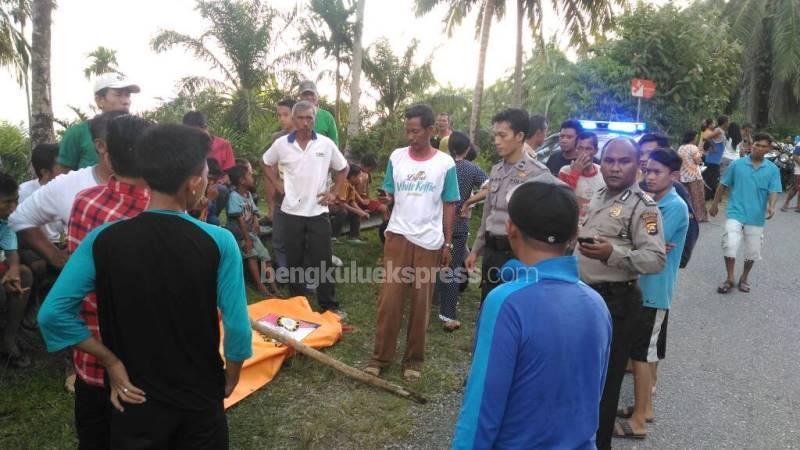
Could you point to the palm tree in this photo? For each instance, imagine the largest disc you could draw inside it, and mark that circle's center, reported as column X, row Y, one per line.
column 41, row 124
column 770, row 33
column 14, row 48
column 243, row 31
column 329, row 30
column 396, row 78
column 355, row 73
column 102, row 60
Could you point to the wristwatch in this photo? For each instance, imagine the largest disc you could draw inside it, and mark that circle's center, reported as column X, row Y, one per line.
column 448, row 245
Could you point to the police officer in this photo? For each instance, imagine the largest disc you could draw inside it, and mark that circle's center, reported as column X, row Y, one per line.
column 621, row 238
column 510, row 128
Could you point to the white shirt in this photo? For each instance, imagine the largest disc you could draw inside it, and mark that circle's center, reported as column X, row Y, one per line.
column 305, row 172
column 53, row 201
column 420, row 189
column 52, row 230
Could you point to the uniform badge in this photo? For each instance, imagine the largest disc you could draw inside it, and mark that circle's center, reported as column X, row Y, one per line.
column 615, row 210
column 650, row 220
column 521, row 174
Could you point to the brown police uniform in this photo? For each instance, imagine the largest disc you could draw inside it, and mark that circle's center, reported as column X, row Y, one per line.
column 492, row 241
column 631, row 221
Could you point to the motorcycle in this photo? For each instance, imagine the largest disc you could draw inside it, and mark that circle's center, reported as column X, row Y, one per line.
column 781, row 155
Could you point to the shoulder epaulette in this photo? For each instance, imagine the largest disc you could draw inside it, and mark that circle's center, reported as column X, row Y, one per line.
column 646, row 199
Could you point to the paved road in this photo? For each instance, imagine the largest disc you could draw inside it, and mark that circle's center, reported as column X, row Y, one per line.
column 732, row 374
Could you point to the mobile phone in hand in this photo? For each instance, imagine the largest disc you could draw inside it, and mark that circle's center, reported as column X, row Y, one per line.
column 382, row 192
column 586, row 240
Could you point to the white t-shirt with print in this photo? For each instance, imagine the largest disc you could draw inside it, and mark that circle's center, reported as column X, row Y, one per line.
column 53, row 230
column 305, row 172
column 420, row 189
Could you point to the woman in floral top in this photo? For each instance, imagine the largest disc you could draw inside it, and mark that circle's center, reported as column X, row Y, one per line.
column 691, row 176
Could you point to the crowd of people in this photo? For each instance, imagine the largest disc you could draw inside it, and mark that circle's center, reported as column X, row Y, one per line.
column 130, row 225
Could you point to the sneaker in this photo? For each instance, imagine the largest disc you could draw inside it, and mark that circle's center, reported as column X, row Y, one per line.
column 356, row 241
column 336, row 261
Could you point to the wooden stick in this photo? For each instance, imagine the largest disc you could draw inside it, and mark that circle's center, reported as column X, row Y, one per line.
column 322, row 358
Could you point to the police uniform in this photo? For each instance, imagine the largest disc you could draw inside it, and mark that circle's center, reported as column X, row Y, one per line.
column 631, row 222
column 492, row 241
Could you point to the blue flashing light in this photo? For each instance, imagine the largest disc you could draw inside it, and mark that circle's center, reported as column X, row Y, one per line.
column 619, row 127
column 588, row 124
column 623, row 127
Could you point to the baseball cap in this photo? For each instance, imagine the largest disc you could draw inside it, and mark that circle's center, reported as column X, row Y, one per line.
column 114, row 81
column 547, row 212
column 308, row 86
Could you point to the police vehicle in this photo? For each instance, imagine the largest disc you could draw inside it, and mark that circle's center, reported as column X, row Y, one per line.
column 604, row 130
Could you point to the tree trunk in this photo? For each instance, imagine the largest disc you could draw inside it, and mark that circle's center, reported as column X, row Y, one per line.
column 338, row 92
column 355, row 82
column 516, row 97
column 477, row 95
column 41, row 125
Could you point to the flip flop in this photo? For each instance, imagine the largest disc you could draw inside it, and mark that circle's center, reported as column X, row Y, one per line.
column 627, row 412
column 411, row 375
column 374, row 371
column 627, row 431
column 725, row 287
column 744, row 286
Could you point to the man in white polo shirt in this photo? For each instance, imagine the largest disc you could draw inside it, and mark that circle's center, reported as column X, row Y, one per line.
column 306, row 158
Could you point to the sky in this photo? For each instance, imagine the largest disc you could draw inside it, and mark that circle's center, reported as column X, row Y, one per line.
column 80, row 26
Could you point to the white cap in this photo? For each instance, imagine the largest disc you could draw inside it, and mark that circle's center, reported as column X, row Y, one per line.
column 114, row 81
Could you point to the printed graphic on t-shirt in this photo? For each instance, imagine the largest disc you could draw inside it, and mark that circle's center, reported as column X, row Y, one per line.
column 416, row 184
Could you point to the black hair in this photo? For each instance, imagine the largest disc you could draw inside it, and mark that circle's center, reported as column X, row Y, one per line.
column 237, row 174
column 545, row 212
column 8, row 185
column 572, row 123
column 517, row 119
column 287, row 102
column 537, row 122
column 472, row 153
column 98, row 125
column 423, row 111
column 706, row 124
column 761, row 136
column 689, row 137
column 588, row 135
column 169, row 154
column 660, row 140
column 735, row 133
column 214, row 169
column 355, row 170
column 123, row 132
column 43, row 157
column 102, row 92
column 667, row 157
column 242, row 162
column 195, row 119
column 722, row 120
column 369, row 160
column 458, row 143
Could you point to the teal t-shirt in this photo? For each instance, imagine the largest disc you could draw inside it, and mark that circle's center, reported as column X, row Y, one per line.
column 657, row 288
column 749, row 188
column 325, row 125
column 76, row 149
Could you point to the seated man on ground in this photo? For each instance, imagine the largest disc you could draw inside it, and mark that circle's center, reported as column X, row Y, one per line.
column 347, row 208
column 16, row 278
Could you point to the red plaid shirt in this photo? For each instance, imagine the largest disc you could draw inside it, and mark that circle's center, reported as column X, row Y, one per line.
column 94, row 207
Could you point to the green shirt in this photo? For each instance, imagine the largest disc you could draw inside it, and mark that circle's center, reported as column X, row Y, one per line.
column 325, row 125
column 77, row 149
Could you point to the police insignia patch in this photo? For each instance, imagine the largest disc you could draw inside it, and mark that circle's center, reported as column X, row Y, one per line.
column 615, row 210
column 650, row 220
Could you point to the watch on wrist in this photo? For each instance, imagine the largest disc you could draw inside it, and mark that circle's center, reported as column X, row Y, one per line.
column 448, row 245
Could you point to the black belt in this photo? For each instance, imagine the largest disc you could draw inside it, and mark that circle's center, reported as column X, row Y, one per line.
column 496, row 242
column 607, row 286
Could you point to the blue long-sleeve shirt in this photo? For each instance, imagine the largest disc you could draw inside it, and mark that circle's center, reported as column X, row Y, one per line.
column 160, row 279
column 540, row 362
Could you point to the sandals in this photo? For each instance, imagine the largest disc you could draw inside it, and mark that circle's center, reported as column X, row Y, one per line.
column 744, row 286
column 451, row 325
column 627, row 413
column 627, row 431
column 374, row 371
column 725, row 287
column 411, row 375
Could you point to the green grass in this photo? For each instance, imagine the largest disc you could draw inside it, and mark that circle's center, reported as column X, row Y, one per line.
column 307, row 405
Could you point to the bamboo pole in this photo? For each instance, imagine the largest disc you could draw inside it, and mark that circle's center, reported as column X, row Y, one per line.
column 322, row 358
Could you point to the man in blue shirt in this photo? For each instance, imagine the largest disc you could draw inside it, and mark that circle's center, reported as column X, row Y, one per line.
column 543, row 338
column 650, row 340
column 754, row 184
column 157, row 304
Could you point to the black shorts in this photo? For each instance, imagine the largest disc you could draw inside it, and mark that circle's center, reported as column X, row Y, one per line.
column 650, row 340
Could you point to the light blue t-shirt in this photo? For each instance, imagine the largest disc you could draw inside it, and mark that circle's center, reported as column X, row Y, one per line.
column 8, row 239
column 749, row 188
column 657, row 288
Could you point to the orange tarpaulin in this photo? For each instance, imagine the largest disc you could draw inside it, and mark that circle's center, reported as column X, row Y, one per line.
column 268, row 356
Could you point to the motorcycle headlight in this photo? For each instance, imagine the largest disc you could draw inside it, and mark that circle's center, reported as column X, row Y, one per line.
column 784, row 158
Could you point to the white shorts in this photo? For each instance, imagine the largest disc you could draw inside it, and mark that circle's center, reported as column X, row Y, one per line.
column 735, row 233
